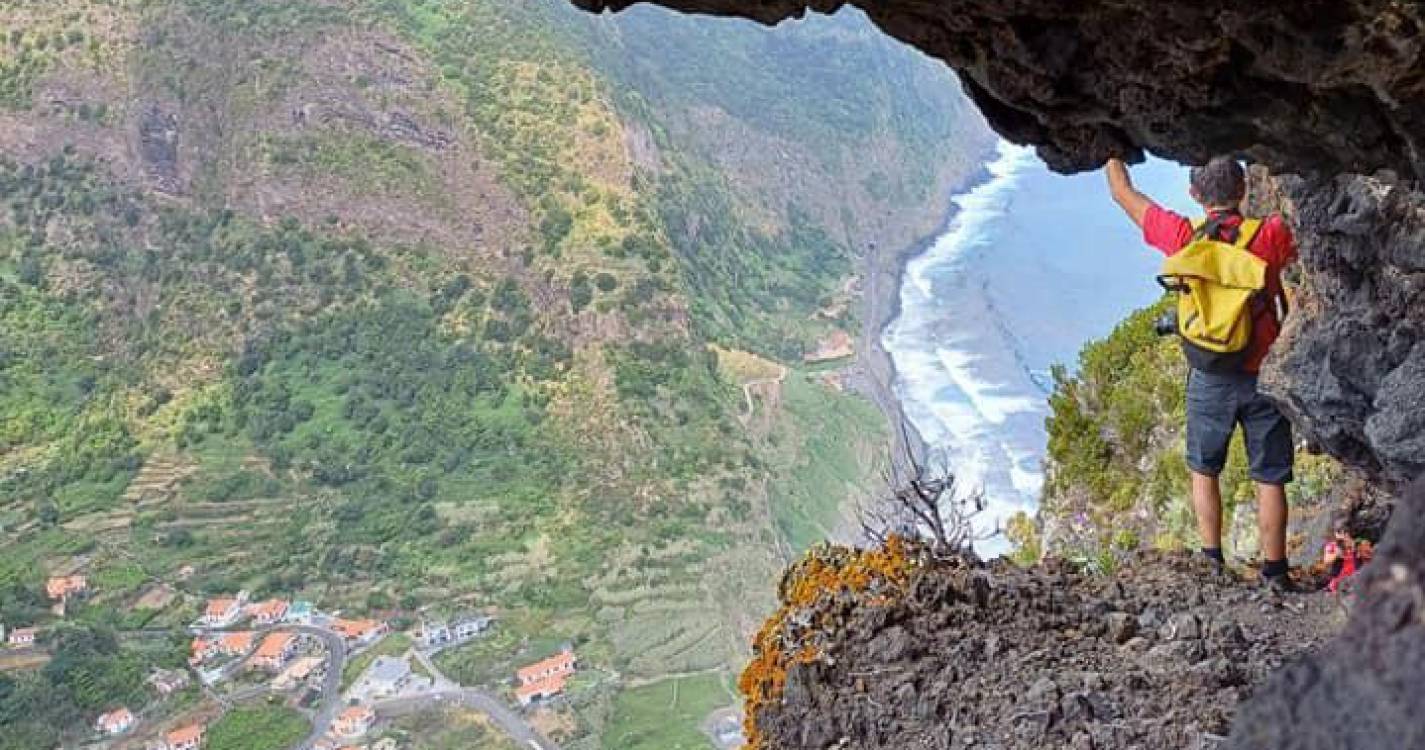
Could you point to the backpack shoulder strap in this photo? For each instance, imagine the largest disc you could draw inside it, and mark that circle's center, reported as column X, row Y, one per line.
column 1247, row 232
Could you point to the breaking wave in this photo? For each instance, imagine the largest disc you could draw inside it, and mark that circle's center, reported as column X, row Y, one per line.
column 1031, row 266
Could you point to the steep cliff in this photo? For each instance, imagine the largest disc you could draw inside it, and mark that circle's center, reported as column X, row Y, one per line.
column 1330, row 91
column 1325, row 89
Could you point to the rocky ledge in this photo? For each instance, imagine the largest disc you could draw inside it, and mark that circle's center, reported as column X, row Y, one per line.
column 894, row 649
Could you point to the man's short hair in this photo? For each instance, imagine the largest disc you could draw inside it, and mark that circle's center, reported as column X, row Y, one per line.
column 1220, row 182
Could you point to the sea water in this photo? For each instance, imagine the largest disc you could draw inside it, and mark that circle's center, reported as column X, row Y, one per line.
column 1032, row 266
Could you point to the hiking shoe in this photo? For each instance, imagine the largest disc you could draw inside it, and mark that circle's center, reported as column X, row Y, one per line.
column 1280, row 585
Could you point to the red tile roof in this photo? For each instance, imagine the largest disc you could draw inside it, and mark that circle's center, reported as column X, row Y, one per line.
column 560, row 664
column 271, row 609
column 238, row 642
column 220, row 607
column 184, row 735
column 274, row 646
column 355, row 628
column 547, row 686
column 62, row 586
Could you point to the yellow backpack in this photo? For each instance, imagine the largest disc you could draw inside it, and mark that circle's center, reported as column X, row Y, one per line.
column 1219, row 286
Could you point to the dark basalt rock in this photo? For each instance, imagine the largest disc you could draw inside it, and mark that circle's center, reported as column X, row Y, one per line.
column 1350, row 368
column 1363, row 690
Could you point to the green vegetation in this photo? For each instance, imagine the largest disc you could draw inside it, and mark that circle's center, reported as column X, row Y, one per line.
column 450, row 729
column 829, row 439
column 1117, row 479
column 666, row 715
column 91, row 672
column 394, row 644
column 510, row 401
column 256, row 728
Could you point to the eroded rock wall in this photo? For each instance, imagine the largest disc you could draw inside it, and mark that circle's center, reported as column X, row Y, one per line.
column 1363, row 690
column 1351, row 365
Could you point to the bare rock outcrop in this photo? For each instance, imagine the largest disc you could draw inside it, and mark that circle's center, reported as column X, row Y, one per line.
column 891, row 649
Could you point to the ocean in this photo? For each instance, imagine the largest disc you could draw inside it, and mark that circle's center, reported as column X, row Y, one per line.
column 1032, row 266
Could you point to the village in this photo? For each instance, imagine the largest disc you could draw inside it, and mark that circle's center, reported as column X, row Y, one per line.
column 277, row 649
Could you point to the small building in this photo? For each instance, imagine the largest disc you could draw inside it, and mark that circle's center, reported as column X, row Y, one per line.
column 237, row 643
column 388, row 675
column 358, row 632
column 275, row 650
column 297, row 672
column 222, row 612
column 118, row 721
column 168, row 681
column 465, row 628
column 202, row 649
column 546, row 678
column 529, row 693
column 185, row 738
column 355, row 721
column 300, row 612
column 269, row 612
column 61, row 588
column 23, row 637
column 433, row 633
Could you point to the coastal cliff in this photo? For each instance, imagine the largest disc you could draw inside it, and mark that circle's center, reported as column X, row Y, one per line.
column 1328, row 96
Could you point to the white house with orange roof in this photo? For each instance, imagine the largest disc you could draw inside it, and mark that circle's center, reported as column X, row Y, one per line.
column 546, row 678
column 118, row 721
column 237, row 643
column 355, row 721
column 358, row 632
column 185, row 738
column 60, row 588
column 269, row 612
column 201, row 649
column 23, row 637
column 224, row 611
column 274, row 651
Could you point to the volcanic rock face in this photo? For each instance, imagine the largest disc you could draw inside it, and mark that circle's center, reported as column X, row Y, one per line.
column 1350, row 367
column 1363, row 690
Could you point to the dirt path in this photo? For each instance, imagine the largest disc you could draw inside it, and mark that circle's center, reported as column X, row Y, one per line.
column 751, row 385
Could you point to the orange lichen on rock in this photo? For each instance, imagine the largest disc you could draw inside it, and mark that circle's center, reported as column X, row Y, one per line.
column 823, row 575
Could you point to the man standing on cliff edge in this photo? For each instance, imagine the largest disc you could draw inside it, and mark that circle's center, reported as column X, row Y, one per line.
column 1218, row 401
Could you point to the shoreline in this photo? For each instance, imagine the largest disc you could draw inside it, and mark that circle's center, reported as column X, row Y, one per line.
column 875, row 370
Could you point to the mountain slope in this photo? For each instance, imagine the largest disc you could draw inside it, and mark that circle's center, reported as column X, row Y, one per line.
column 389, row 305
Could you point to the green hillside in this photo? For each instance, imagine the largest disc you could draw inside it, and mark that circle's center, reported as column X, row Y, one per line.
column 406, row 304
column 1116, row 478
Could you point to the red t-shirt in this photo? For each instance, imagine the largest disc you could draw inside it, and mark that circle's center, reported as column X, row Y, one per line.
column 1170, row 232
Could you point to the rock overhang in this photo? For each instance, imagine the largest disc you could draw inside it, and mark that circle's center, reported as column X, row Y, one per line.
column 1314, row 87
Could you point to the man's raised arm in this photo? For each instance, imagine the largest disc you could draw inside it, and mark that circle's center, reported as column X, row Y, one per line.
column 1134, row 203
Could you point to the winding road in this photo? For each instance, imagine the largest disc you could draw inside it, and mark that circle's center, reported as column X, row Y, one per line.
column 331, row 682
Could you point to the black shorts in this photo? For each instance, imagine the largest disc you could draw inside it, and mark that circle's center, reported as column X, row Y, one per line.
column 1216, row 404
